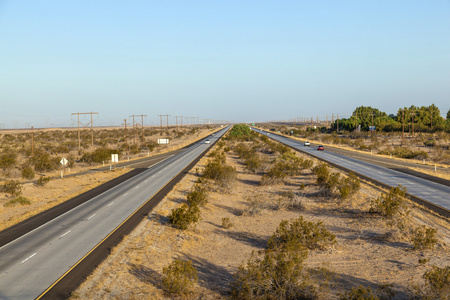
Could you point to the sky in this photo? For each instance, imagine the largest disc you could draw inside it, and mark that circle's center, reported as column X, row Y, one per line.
column 241, row 61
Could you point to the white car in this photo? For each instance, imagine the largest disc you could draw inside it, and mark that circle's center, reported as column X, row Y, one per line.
column 207, row 142
column 306, row 143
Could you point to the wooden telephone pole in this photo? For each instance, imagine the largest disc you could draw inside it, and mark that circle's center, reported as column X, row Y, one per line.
column 126, row 135
column 167, row 120
column 85, row 125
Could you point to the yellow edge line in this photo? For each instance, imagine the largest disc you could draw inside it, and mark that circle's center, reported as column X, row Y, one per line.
column 96, row 246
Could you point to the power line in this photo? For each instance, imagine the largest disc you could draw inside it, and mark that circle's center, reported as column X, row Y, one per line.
column 85, row 125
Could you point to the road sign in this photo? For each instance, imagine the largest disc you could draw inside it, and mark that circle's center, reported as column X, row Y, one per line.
column 64, row 161
column 115, row 158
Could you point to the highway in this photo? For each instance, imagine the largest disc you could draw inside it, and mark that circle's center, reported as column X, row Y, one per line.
column 36, row 260
column 427, row 190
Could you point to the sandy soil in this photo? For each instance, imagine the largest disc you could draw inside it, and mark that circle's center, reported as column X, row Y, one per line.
column 59, row 190
column 368, row 251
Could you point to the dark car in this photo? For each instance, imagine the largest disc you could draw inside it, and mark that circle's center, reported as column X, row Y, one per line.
column 321, row 148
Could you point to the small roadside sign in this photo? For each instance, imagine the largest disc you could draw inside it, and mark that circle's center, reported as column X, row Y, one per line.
column 115, row 158
column 64, row 161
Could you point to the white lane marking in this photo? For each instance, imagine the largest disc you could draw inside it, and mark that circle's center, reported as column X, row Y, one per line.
column 152, row 158
column 125, row 194
column 111, row 204
column 91, row 216
column 153, row 176
column 146, row 180
column 64, row 234
column 28, row 258
column 136, row 187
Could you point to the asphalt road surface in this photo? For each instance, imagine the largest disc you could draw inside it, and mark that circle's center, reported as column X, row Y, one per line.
column 424, row 189
column 33, row 262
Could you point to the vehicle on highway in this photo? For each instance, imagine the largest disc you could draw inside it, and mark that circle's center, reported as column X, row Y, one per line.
column 306, row 143
column 320, row 148
column 207, row 142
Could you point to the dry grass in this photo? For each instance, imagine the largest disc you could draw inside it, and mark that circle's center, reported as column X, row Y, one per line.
column 369, row 250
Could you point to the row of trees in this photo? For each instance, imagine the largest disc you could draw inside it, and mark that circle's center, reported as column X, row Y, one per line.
column 417, row 119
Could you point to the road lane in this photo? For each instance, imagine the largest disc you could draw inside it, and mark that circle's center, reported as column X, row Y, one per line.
column 33, row 262
column 427, row 190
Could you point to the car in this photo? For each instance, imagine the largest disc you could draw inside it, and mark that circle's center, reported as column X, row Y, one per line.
column 306, row 143
column 207, row 142
column 320, row 148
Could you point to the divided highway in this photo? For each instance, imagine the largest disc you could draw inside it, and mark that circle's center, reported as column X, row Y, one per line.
column 435, row 193
column 35, row 261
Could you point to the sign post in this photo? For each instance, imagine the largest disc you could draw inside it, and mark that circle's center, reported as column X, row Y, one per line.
column 64, row 162
column 115, row 158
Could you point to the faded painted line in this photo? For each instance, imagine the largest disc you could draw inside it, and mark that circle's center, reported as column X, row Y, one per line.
column 91, row 216
column 111, row 204
column 64, row 234
column 28, row 258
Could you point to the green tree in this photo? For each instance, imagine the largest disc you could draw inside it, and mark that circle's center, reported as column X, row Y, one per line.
column 240, row 130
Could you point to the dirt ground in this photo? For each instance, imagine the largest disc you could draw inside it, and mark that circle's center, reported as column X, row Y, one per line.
column 59, row 190
column 368, row 251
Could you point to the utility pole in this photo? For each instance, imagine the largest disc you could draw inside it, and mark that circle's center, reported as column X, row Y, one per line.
column 167, row 120
column 92, row 127
column 32, row 142
column 181, row 118
column 142, row 123
column 337, row 120
column 126, row 135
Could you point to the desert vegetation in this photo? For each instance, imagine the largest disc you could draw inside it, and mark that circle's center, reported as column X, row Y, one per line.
column 294, row 236
column 28, row 170
column 418, row 133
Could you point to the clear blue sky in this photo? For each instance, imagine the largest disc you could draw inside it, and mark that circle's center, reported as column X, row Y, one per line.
column 252, row 60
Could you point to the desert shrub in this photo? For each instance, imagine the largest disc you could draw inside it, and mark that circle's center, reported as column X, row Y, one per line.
column 8, row 159
column 197, row 196
column 290, row 200
column 276, row 174
column 98, row 155
column 27, row 171
column 384, row 292
column 226, row 223
column 43, row 162
column 243, row 151
column 70, row 161
column 323, row 173
column 332, row 183
column 184, row 216
column 13, row 187
column 277, row 275
column 423, row 237
column 306, row 164
column 359, row 293
column 220, row 172
column 43, row 180
column 179, row 277
column 301, row 234
column 254, row 163
column 389, row 205
column 349, row 186
column 437, row 283
column 19, row 200
column 256, row 205
column 404, row 152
